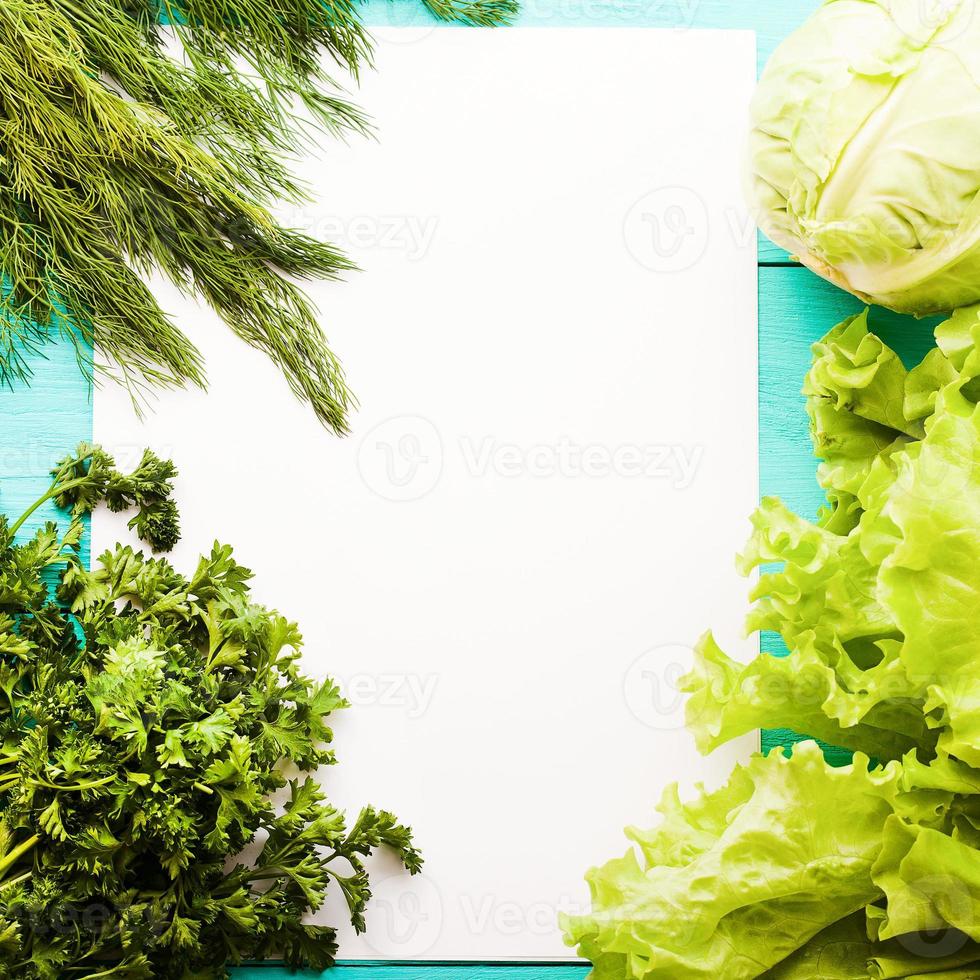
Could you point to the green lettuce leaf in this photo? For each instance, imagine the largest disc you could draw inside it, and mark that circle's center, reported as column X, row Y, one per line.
column 820, row 692
column 795, row 869
column 824, row 583
column 736, row 881
column 839, row 952
column 931, row 577
column 844, row 951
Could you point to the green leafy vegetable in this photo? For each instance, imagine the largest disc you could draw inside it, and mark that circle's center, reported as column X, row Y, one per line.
column 117, row 159
column 795, row 869
column 148, row 722
column 712, row 897
column 864, row 159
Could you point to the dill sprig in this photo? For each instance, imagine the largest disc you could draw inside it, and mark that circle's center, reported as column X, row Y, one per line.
column 118, row 160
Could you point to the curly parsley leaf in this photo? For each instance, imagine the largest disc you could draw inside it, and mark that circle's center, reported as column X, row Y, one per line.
column 147, row 721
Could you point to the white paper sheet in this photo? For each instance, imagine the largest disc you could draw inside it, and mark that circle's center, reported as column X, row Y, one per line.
column 553, row 340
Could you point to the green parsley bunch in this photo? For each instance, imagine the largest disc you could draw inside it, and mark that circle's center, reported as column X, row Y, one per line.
column 147, row 719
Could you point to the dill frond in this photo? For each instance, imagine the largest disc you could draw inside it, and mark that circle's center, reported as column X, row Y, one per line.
column 117, row 159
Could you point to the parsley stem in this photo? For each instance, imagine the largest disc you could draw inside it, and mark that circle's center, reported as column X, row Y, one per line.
column 56, row 490
column 204, row 789
column 106, row 973
column 22, row 848
column 78, row 786
column 15, row 881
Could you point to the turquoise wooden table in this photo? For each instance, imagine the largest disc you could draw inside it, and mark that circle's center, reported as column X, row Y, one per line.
column 41, row 423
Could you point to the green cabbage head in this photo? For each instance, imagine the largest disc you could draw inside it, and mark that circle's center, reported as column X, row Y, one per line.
column 865, row 150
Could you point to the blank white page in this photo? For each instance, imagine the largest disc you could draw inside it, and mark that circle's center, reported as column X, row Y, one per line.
column 553, row 341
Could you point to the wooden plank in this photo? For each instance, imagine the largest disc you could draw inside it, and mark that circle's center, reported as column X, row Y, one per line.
column 771, row 254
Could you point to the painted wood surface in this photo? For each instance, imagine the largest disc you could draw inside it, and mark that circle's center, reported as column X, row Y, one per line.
column 40, row 423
